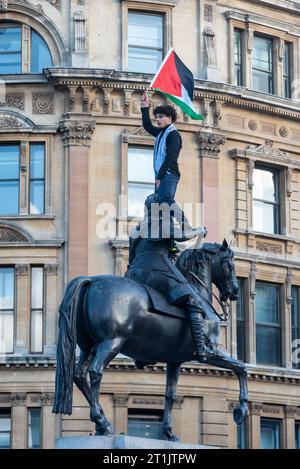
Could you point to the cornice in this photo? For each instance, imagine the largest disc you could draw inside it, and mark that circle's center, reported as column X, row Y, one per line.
column 249, row 18
column 235, row 96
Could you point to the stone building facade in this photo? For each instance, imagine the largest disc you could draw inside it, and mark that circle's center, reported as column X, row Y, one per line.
column 72, row 75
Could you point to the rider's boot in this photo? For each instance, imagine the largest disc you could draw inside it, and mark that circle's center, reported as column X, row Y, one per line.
column 197, row 330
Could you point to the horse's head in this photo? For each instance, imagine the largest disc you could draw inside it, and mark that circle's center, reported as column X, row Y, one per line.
column 223, row 272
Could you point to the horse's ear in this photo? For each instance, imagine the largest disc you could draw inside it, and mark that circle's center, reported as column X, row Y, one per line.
column 224, row 245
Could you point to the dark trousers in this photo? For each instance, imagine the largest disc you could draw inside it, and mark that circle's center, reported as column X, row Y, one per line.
column 167, row 188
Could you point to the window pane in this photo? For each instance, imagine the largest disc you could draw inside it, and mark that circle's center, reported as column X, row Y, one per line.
column 9, row 162
column 5, row 428
column 264, row 217
column 10, row 39
column 264, row 184
column 34, row 428
column 36, row 345
column 37, row 161
column 140, row 165
column 9, row 198
column 37, row 196
column 268, row 350
column 37, row 287
column 6, row 331
column 267, row 303
column 10, row 63
column 40, row 54
column 144, row 60
column 261, row 82
column 262, row 53
column 297, row 434
column 145, row 30
column 137, row 193
column 269, row 438
column 6, row 288
column 238, row 57
column 145, row 429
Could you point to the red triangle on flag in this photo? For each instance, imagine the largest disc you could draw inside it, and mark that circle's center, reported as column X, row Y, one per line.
column 167, row 78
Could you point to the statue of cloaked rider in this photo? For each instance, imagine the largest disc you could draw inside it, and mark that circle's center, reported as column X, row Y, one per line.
column 150, row 264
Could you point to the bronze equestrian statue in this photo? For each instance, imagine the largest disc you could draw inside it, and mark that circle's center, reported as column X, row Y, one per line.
column 106, row 315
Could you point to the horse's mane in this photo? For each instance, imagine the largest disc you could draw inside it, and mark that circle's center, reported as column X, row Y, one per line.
column 190, row 258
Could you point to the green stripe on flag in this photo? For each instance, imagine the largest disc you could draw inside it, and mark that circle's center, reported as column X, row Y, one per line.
column 186, row 109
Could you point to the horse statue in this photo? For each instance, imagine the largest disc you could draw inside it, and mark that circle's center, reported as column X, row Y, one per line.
column 106, row 315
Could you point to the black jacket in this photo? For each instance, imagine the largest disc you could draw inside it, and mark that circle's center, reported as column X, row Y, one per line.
column 173, row 141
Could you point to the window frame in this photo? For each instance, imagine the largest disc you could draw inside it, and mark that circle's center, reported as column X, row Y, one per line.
column 24, row 175
column 276, row 205
column 272, row 63
column 29, row 409
column 287, row 76
column 164, row 8
column 14, row 311
column 18, row 180
column 251, row 25
column 3, row 411
column 278, row 423
column 279, row 325
column 37, row 309
column 26, row 51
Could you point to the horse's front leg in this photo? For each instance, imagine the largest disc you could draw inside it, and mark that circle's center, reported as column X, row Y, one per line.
column 223, row 360
column 173, row 370
column 105, row 352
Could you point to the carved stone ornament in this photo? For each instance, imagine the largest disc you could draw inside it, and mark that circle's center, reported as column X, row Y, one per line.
column 210, row 144
column 9, row 122
column 47, row 398
column 256, row 408
column 55, row 3
column 134, row 132
column 77, row 133
column 22, row 269
column 3, row 6
column 267, row 149
column 27, row 3
column 268, row 247
column 290, row 411
column 283, row 132
column 51, row 269
column 15, row 100
column 42, row 103
column 147, row 401
column 8, row 235
column 18, row 399
column 120, row 400
column 208, row 13
column 252, row 124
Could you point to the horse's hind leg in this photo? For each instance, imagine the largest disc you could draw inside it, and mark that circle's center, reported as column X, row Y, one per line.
column 80, row 377
column 105, row 352
column 173, row 370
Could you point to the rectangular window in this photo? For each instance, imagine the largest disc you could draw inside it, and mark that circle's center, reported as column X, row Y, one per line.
column 238, row 57
column 145, row 424
column 140, row 179
column 34, row 428
column 295, row 322
column 7, row 293
column 269, row 433
column 37, row 305
column 266, row 206
column 268, row 330
column 145, row 42
column 37, row 178
column 5, row 428
column 10, row 50
column 240, row 322
column 262, row 64
column 297, row 435
column 9, row 179
column 287, row 70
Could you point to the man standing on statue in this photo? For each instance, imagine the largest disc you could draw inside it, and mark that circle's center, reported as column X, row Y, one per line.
column 168, row 144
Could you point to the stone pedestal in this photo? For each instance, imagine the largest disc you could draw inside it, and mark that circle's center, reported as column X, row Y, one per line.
column 121, row 442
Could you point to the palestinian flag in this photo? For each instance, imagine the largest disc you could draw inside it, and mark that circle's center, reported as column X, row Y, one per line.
column 175, row 81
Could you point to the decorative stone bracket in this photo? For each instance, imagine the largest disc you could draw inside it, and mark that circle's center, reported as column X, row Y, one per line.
column 77, row 132
column 210, row 144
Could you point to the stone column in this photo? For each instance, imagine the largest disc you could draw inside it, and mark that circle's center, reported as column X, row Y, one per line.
column 48, row 421
column 76, row 135
column 22, row 317
column 50, row 308
column 19, row 421
column 210, row 144
column 121, row 412
column 290, row 413
column 254, row 424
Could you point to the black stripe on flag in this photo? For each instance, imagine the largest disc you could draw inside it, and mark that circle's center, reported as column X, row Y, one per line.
column 186, row 76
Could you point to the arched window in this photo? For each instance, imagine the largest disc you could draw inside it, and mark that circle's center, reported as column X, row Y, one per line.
column 22, row 50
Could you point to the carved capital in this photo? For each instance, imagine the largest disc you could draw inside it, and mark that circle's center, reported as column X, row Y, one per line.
column 3, row 6
column 51, row 269
column 120, row 400
column 231, row 405
column 78, row 133
column 210, row 144
column 178, row 402
column 290, row 411
column 18, row 399
column 22, row 269
column 47, row 398
column 255, row 408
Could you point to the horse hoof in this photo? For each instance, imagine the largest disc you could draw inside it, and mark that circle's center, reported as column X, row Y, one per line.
column 170, row 436
column 105, row 429
column 240, row 413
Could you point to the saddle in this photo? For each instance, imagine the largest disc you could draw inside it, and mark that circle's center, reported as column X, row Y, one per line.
column 160, row 305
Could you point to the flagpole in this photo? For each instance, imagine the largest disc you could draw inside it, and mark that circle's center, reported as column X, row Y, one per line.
column 162, row 64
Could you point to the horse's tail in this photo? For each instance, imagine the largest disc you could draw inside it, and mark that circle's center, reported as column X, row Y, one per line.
column 66, row 347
